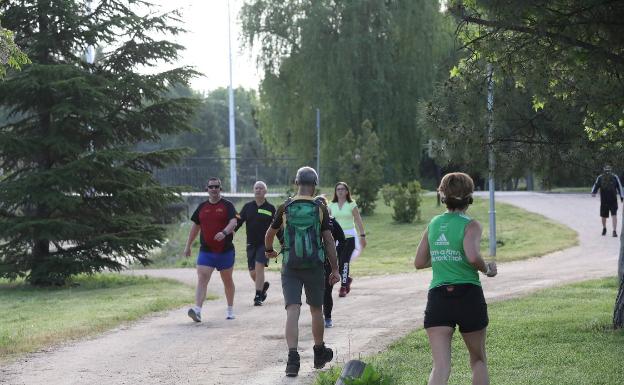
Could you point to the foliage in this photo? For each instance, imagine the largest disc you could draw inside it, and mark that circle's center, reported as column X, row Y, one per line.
column 10, row 54
column 370, row 376
column 405, row 200
column 360, row 166
column 566, row 53
column 355, row 61
column 75, row 196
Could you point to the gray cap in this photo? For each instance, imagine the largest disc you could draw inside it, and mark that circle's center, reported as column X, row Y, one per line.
column 306, row 176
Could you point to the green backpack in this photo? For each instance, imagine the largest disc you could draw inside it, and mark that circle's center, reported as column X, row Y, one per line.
column 303, row 247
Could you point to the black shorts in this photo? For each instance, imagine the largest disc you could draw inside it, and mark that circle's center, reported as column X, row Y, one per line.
column 256, row 254
column 462, row 304
column 606, row 208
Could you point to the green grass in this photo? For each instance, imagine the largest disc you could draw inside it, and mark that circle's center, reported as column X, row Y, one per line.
column 567, row 190
column 32, row 318
column 556, row 336
column 392, row 246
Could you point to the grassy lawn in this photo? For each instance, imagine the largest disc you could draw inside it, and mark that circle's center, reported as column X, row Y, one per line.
column 556, row 336
column 32, row 318
column 391, row 246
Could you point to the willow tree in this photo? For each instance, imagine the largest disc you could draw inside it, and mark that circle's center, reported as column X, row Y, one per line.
column 74, row 195
column 355, row 60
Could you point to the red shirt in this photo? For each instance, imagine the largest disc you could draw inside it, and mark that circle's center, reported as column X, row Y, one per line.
column 212, row 218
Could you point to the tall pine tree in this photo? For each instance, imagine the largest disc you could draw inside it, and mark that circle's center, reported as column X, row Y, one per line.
column 75, row 197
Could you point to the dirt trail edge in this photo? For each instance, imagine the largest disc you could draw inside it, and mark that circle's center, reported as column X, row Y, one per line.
column 170, row 349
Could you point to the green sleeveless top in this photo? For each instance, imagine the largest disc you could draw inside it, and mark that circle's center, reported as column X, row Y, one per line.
column 446, row 245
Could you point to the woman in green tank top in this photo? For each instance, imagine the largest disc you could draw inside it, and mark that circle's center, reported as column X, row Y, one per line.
column 450, row 246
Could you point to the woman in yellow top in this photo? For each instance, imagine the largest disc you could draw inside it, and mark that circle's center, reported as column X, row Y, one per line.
column 345, row 210
column 450, row 246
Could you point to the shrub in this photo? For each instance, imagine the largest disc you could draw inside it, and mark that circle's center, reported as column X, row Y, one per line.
column 360, row 166
column 405, row 200
column 371, row 376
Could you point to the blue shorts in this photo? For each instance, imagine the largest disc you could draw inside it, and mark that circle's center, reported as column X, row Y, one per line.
column 220, row 261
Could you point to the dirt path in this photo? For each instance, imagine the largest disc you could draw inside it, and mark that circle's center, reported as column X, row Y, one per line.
column 169, row 349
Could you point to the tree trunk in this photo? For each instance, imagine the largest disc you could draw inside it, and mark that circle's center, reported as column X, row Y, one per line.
column 529, row 181
column 618, row 311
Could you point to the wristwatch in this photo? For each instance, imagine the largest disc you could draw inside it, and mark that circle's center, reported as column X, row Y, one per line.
column 363, row 235
column 224, row 233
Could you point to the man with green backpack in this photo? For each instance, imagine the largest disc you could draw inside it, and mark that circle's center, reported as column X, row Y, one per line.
column 307, row 240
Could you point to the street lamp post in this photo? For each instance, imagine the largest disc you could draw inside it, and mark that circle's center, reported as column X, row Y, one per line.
column 491, row 159
column 231, row 113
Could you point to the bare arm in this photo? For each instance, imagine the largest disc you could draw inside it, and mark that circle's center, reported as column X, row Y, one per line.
column 360, row 225
column 227, row 230
column 191, row 238
column 472, row 248
column 423, row 256
column 269, row 237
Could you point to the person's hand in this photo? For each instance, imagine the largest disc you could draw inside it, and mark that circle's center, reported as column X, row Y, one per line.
column 363, row 242
column 270, row 254
column 187, row 251
column 334, row 277
column 492, row 270
column 219, row 236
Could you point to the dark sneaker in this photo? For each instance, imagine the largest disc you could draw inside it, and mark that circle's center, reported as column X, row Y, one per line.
column 258, row 300
column 604, row 231
column 195, row 316
column 329, row 323
column 349, row 280
column 343, row 291
column 614, row 233
column 322, row 355
column 264, row 291
column 292, row 366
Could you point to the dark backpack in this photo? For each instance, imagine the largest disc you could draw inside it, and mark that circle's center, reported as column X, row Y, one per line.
column 303, row 247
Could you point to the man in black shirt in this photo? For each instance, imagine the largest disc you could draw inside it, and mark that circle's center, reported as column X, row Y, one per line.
column 610, row 188
column 257, row 215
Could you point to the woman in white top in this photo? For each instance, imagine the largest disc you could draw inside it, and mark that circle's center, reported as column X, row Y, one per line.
column 346, row 212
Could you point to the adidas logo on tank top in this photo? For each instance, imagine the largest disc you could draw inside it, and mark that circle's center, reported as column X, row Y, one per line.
column 442, row 241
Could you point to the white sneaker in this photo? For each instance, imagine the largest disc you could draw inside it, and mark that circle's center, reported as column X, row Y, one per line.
column 229, row 314
column 195, row 316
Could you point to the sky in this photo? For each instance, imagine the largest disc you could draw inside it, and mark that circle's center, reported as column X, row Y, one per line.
column 206, row 43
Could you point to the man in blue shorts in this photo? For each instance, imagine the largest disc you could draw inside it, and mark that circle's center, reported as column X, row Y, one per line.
column 214, row 220
column 257, row 216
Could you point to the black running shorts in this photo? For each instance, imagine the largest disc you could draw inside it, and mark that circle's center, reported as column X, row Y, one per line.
column 256, row 254
column 606, row 208
column 462, row 304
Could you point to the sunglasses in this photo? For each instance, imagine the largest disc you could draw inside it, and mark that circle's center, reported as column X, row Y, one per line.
column 213, row 186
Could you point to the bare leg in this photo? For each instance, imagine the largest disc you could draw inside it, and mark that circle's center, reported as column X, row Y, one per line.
column 475, row 342
column 252, row 274
column 614, row 219
column 228, row 285
column 203, row 277
column 292, row 325
column 259, row 276
column 440, row 341
column 318, row 327
column 604, row 222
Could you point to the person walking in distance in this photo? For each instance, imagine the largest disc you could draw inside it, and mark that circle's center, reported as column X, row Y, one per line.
column 257, row 216
column 339, row 237
column 345, row 210
column 610, row 188
column 450, row 246
column 307, row 242
column 214, row 220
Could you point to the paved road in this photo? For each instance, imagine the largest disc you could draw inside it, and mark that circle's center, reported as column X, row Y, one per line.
column 169, row 349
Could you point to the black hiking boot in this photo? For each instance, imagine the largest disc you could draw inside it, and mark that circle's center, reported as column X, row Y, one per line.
column 258, row 300
column 604, row 231
column 322, row 355
column 264, row 291
column 614, row 234
column 292, row 366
